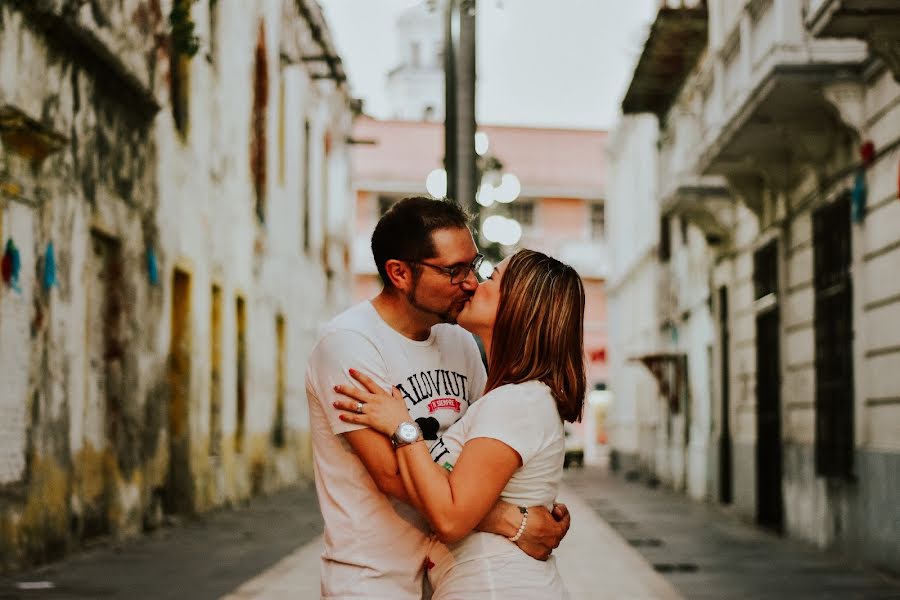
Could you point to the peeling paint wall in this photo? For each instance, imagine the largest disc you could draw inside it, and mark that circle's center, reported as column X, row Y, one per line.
column 91, row 160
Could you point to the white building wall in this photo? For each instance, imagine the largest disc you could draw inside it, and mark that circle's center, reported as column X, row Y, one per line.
column 747, row 39
column 631, row 206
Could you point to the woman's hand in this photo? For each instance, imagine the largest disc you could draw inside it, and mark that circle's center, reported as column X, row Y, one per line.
column 374, row 407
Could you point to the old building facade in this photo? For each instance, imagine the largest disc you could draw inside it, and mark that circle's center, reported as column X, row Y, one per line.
column 775, row 127
column 174, row 208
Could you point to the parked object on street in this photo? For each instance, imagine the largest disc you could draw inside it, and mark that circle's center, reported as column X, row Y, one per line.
column 574, row 456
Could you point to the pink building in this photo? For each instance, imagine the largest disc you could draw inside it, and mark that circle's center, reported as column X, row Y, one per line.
column 560, row 207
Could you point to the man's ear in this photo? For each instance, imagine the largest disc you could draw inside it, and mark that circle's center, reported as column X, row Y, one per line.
column 400, row 274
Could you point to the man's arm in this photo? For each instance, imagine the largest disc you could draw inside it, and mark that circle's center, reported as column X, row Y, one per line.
column 377, row 454
column 543, row 532
column 330, row 363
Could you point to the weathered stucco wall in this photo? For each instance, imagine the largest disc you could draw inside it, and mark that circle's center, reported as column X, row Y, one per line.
column 135, row 386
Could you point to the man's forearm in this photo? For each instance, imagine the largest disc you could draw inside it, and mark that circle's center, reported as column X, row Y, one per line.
column 393, row 487
column 503, row 519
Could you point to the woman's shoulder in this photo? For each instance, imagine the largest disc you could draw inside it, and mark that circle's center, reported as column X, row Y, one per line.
column 532, row 392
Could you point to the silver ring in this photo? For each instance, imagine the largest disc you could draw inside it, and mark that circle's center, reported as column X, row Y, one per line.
column 359, row 407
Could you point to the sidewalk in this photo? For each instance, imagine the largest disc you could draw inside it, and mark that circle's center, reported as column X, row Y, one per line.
column 594, row 561
column 199, row 558
column 706, row 552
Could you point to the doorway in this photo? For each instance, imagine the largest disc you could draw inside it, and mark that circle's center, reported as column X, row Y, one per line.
column 833, row 286
column 105, row 392
column 725, row 475
column 179, row 486
column 769, row 501
column 215, row 374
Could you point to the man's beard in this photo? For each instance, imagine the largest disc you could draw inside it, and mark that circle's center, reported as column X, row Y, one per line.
column 442, row 316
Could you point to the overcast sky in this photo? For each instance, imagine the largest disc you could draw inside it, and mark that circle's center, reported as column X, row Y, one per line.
column 563, row 63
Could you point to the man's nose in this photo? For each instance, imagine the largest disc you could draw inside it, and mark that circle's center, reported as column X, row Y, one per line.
column 470, row 282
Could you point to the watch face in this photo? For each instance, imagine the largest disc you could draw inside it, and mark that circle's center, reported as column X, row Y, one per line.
column 408, row 432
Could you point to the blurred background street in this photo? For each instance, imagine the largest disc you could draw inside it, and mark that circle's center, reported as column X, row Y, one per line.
column 188, row 189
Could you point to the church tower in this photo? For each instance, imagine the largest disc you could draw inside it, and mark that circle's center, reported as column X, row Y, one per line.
column 416, row 86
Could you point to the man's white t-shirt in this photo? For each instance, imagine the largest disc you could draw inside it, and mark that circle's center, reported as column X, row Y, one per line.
column 375, row 546
column 523, row 416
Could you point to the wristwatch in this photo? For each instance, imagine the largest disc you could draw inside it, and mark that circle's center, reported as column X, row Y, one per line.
column 408, row 432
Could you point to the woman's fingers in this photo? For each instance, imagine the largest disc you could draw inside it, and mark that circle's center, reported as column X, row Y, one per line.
column 354, row 418
column 366, row 381
column 348, row 405
column 351, row 414
column 353, row 392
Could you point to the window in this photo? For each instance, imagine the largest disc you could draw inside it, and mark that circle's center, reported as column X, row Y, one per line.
column 281, row 126
column 212, row 57
column 833, row 324
column 307, row 175
column 523, row 212
column 240, row 315
column 765, row 271
column 278, row 427
column 180, row 54
column 414, row 54
column 258, row 141
column 598, row 221
column 665, row 244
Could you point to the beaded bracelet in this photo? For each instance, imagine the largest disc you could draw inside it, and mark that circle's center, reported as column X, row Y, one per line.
column 524, row 511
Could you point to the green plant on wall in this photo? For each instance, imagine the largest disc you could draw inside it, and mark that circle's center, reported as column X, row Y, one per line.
column 184, row 40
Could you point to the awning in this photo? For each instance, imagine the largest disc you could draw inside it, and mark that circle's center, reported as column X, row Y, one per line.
column 670, row 371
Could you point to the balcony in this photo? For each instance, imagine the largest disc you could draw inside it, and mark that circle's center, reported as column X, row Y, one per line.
column 706, row 202
column 875, row 21
column 676, row 41
column 766, row 118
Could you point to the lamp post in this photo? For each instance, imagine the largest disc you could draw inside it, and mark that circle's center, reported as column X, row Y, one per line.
column 459, row 97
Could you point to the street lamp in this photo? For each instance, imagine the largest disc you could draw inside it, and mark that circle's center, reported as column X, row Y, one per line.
column 501, row 230
column 436, row 183
column 486, row 192
column 508, row 189
column 481, row 143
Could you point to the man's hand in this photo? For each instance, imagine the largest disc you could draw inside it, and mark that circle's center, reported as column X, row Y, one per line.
column 544, row 530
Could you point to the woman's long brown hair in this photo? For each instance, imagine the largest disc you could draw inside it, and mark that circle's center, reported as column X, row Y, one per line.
column 539, row 330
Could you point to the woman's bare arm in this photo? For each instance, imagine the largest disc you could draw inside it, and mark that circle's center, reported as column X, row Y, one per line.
column 455, row 505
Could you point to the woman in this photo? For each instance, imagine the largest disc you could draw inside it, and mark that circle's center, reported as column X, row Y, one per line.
column 510, row 444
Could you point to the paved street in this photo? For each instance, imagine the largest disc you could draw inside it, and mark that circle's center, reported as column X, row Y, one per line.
column 628, row 542
column 622, row 573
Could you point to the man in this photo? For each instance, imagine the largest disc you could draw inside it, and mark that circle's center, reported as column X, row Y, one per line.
column 375, row 543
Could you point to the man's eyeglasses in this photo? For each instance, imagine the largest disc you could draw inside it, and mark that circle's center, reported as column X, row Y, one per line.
column 456, row 273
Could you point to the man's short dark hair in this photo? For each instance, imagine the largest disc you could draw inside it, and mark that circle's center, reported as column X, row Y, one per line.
column 404, row 231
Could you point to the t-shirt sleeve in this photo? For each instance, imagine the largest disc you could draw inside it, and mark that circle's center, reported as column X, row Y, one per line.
column 514, row 417
column 329, row 365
